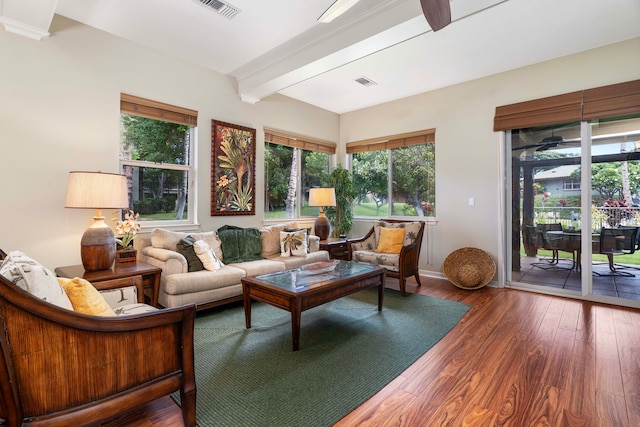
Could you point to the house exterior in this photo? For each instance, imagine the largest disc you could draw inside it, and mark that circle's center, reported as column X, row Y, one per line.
column 59, row 112
column 558, row 181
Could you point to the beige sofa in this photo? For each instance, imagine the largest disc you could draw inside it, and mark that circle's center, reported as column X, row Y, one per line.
column 179, row 286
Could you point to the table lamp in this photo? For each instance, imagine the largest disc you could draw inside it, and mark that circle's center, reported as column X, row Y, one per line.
column 322, row 197
column 97, row 190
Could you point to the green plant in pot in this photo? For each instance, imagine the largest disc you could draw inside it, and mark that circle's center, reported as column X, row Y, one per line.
column 341, row 215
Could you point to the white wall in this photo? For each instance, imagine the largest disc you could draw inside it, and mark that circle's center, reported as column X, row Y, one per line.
column 59, row 111
column 467, row 149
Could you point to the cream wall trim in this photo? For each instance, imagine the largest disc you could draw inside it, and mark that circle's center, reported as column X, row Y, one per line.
column 22, row 29
column 28, row 18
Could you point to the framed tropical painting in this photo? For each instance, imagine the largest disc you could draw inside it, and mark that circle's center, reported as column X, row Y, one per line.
column 233, row 181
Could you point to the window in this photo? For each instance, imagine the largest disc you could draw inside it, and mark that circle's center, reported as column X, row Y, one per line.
column 293, row 165
column 156, row 155
column 570, row 184
column 395, row 176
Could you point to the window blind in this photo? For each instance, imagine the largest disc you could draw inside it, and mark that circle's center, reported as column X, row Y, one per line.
column 297, row 141
column 612, row 101
column 544, row 111
column 393, row 141
column 137, row 106
column 597, row 103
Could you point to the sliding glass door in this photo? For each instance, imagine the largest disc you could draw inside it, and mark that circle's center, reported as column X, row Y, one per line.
column 575, row 209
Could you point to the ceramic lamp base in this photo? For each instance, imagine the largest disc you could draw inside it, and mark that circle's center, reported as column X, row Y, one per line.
column 98, row 247
column 321, row 227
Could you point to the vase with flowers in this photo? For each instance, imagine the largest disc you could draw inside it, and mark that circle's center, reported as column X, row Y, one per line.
column 126, row 230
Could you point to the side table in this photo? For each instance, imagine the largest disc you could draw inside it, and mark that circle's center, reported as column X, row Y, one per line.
column 150, row 275
column 337, row 248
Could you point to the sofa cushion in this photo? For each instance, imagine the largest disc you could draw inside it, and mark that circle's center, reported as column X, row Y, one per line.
column 207, row 256
column 185, row 247
column 240, row 244
column 167, row 239
column 263, row 266
column 205, row 280
column 85, row 298
column 390, row 240
column 297, row 261
column 271, row 238
column 308, row 230
column 34, row 278
column 293, row 243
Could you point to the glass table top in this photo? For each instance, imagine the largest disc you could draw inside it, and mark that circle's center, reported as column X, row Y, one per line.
column 301, row 278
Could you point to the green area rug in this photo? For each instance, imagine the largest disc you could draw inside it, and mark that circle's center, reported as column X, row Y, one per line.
column 348, row 352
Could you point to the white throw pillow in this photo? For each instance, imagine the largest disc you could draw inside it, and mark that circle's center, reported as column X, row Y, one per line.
column 293, row 243
column 209, row 259
column 34, row 278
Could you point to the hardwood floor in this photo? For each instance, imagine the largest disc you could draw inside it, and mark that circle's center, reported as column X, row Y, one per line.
column 515, row 359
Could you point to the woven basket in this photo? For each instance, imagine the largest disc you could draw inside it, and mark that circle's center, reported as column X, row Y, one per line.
column 469, row 268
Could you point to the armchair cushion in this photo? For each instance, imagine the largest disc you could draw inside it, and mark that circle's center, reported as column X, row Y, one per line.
column 391, row 240
column 412, row 230
column 389, row 261
column 34, row 278
column 85, row 298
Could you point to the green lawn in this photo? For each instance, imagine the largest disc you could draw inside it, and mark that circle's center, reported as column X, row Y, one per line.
column 362, row 209
column 620, row 259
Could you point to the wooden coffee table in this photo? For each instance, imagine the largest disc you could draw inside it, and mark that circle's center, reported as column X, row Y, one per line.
column 299, row 289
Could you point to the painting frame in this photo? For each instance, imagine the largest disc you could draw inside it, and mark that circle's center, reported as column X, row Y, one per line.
column 233, row 169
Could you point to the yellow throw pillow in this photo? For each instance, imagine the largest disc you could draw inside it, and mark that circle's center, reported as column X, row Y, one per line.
column 85, row 298
column 390, row 240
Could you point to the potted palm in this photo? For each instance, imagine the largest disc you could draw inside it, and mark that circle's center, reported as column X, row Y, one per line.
column 341, row 215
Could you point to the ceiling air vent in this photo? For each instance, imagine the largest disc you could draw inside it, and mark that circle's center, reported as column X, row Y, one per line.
column 366, row 82
column 223, row 8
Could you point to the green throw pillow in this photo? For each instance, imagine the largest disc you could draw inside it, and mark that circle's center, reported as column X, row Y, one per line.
column 240, row 244
column 185, row 247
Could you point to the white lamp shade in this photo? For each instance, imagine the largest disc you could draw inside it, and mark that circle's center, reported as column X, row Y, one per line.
column 97, row 190
column 322, row 197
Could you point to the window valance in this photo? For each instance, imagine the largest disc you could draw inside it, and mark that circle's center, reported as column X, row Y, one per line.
column 597, row 103
column 297, row 141
column 393, row 141
column 137, row 106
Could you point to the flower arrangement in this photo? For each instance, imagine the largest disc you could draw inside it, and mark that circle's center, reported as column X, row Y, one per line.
column 127, row 229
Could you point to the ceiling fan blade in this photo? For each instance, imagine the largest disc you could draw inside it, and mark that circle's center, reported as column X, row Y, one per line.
column 437, row 12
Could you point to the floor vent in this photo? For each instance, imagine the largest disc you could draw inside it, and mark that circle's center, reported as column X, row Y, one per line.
column 223, row 8
column 366, row 82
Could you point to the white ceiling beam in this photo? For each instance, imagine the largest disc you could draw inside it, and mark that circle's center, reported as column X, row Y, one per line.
column 28, row 18
column 314, row 53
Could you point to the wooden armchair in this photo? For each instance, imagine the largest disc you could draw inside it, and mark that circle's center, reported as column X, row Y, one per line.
column 400, row 266
column 63, row 368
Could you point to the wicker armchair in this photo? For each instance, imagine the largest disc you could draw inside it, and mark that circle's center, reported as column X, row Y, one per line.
column 400, row 266
column 63, row 368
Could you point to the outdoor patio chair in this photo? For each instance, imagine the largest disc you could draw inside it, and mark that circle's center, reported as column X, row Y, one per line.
column 540, row 237
column 616, row 242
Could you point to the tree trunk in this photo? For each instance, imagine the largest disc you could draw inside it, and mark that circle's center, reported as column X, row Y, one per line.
column 182, row 191
column 624, row 171
column 293, row 185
